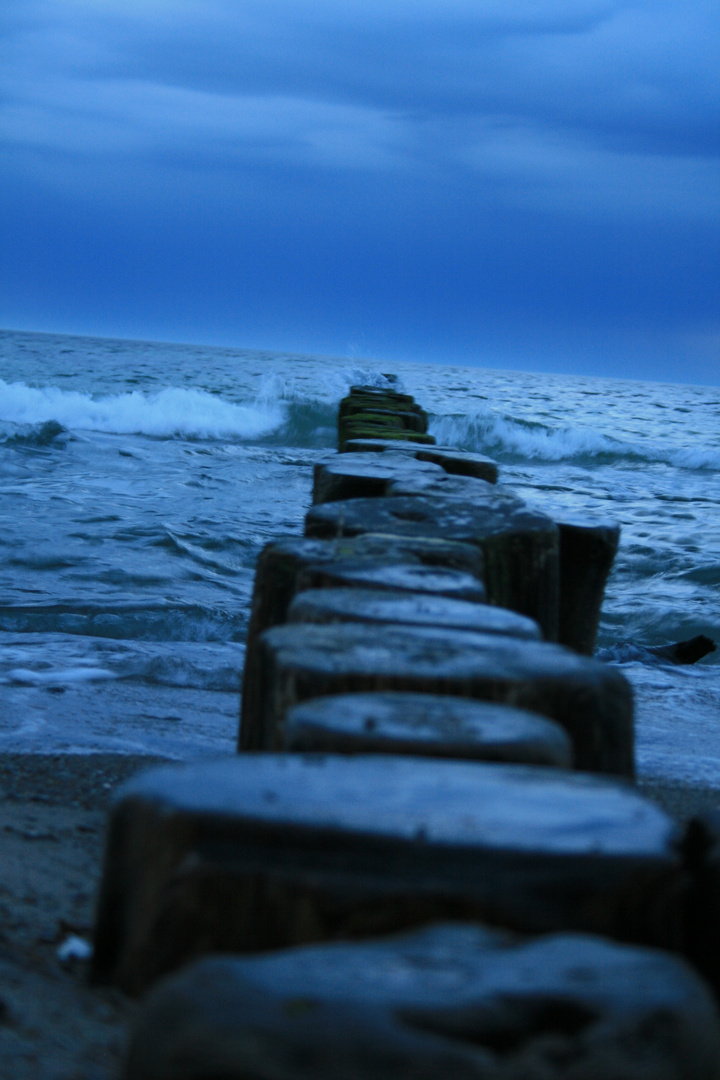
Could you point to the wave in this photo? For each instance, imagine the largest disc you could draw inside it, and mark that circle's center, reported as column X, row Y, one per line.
column 56, row 661
column 35, row 435
column 169, row 413
column 204, row 672
column 511, row 438
column 310, row 417
column 630, row 652
column 370, row 377
column 190, row 623
column 284, row 413
column 308, row 424
column 160, row 671
column 56, row 679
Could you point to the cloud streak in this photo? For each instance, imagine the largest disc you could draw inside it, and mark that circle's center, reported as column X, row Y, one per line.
column 370, row 86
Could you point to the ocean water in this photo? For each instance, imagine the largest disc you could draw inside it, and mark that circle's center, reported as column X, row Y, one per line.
column 140, row 481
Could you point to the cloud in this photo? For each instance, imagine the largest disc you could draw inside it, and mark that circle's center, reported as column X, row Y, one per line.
column 431, row 158
column 594, row 106
column 136, row 118
column 540, row 168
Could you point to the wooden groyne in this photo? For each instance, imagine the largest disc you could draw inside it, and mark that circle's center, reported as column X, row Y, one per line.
column 427, row 750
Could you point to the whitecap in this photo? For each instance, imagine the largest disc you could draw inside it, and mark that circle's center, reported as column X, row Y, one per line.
column 497, row 434
column 56, row 678
column 174, row 411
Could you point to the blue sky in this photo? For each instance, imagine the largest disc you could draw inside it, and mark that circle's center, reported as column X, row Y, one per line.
column 532, row 185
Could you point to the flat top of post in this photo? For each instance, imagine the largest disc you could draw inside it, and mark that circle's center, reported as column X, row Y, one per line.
column 414, row 608
column 455, row 964
column 383, row 797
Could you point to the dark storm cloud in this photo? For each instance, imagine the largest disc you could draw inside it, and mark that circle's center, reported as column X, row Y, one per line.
column 552, row 161
column 613, row 68
column 551, row 90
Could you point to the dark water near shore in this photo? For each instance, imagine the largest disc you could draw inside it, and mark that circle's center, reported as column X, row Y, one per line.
column 139, row 482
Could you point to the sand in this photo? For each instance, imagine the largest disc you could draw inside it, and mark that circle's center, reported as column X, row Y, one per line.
column 53, row 812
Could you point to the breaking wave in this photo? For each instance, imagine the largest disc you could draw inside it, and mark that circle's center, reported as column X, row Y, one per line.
column 172, row 412
column 510, row 438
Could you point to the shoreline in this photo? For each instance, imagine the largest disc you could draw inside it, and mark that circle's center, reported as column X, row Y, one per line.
column 53, row 815
column 74, row 780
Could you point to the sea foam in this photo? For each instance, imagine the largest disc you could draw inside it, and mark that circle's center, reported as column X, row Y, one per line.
column 171, row 412
column 493, row 433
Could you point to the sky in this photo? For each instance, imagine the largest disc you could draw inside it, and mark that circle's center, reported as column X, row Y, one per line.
column 531, row 185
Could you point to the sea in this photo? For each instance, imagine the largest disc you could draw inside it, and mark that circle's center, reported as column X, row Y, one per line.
column 140, row 481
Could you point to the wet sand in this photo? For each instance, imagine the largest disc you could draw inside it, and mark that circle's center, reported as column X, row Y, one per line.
column 53, row 812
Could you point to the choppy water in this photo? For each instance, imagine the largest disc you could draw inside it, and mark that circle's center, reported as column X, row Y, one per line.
column 139, row 482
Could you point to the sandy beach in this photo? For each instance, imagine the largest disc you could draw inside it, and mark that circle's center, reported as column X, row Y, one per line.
column 53, row 810
column 53, row 1025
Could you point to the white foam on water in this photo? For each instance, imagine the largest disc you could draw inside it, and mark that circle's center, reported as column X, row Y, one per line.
column 677, row 722
column 491, row 432
column 497, row 433
column 57, row 678
column 119, row 718
column 167, row 495
column 174, row 411
column 57, row 661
